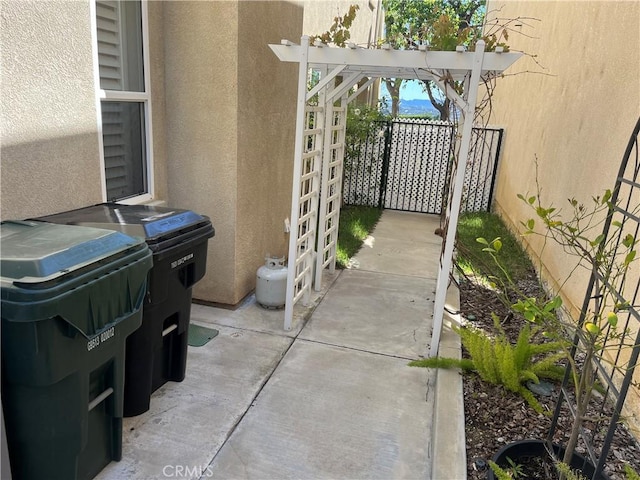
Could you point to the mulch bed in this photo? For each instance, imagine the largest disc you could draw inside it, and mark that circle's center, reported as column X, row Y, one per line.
column 495, row 416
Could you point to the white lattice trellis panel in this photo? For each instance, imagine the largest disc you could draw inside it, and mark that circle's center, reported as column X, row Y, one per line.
column 331, row 189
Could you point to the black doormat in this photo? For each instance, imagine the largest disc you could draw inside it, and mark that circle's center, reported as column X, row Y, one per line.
column 199, row 336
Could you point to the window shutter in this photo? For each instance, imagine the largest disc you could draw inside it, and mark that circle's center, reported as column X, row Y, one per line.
column 109, row 45
column 120, row 57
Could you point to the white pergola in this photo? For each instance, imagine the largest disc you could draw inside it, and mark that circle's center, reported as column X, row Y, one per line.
column 319, row 146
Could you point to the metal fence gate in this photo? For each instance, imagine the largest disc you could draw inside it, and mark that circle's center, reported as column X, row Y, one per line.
column 404, row 165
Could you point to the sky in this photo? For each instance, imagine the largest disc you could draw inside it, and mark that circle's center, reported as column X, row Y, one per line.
column 410, row 90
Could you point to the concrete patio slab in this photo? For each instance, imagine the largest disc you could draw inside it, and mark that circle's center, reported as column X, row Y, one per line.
column 189, row 421
column 331, row 399
column 251, row 316
column 402, row 243
column 376, row 312
column 330, row 412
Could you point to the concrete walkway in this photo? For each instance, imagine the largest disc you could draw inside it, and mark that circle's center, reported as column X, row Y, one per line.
column 332, row 398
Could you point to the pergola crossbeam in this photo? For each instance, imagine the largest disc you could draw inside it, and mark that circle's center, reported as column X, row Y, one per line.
column 325, row 81
column 366, row 85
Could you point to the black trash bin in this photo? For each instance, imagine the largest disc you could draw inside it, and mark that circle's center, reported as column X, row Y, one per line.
column 70, row 296
column 157, row 352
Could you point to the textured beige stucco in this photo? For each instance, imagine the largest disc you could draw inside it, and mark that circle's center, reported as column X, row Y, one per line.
column 155, row 12
column 367, row 28
column 201, row 105
column 230, row 114
column 266, row 135
column 319, row 15
column 574, row 113
column 49, row 152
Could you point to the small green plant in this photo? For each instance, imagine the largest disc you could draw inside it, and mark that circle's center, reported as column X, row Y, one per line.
column 499, row 362
column 630, row 473
column 568, row 473
column 499, row 472
column 515, row 469
column 363, row 123
column 609, row 259
column 473, row 261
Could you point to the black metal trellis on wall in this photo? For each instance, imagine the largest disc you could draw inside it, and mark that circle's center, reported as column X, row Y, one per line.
column 617, row 373
column 404, row 165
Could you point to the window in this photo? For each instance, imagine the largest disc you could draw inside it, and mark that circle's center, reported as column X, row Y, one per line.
column 124, row 99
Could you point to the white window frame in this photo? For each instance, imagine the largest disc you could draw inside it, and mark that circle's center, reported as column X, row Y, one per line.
column 138, row 97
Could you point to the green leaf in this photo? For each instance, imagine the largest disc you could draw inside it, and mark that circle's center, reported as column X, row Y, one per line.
column 552, row 304
column 531, row 223
column 629, row 258
column 531, row 200
column 622, row 306
column 497, row 244
column 628, row 241
column 612, row 319
column 597, row 241
column 482, row 241
column 606, row 197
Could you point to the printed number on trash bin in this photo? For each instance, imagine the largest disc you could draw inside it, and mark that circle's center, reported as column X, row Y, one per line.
column 180, row 261
column 98, row 339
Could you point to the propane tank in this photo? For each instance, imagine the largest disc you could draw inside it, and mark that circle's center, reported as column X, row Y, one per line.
column 271, row 283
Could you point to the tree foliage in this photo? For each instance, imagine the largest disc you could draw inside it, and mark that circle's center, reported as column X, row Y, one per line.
column 441, row 25
column 338, row 33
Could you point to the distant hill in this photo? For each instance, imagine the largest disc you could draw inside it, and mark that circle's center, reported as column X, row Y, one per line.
column 415, row 107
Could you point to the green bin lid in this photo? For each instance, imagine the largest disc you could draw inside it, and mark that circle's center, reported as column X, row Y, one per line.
column 36, row 252
column 89, row 277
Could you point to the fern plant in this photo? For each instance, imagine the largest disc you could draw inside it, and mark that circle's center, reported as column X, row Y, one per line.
column 499, row 362
column 499, row 472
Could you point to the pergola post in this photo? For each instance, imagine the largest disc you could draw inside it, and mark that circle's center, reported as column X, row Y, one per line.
column 295, row 194
column 453, row 206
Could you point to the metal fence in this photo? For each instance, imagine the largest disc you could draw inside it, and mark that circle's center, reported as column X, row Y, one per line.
column 405, row 165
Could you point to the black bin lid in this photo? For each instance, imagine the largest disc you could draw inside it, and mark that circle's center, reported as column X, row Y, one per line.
column 157, row 225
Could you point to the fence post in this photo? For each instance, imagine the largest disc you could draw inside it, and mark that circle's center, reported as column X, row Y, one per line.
column 494, row 173
column 388, row 130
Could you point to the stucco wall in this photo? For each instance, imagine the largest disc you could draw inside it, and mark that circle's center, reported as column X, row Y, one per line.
column 49, row 152
column 201, row 105
column 266, row 135
column 574, row 114
column 319, row 15
column 155, row 11
column 230, row 124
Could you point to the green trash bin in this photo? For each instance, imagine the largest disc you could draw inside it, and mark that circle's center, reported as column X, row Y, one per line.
column 70, row 296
